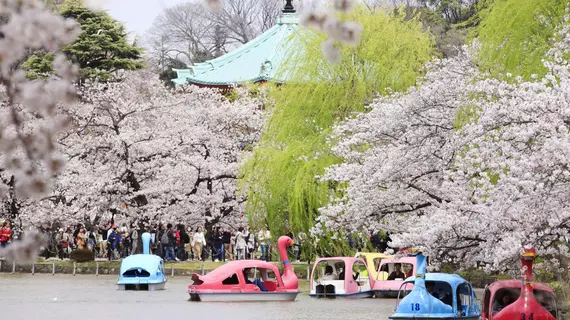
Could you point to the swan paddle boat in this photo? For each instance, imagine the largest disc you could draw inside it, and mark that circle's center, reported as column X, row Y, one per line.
column 520, row 299
column 340, row 277
column 436, row 296
column 373, row 260
column 391, row 275
column 142, row 271
column 231, row 282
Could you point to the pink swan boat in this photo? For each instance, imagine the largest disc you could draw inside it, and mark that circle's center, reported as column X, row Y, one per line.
column 386, row 287
column 520, row 299
column 231, row 282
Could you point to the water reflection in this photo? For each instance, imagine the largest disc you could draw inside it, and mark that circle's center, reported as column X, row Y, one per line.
column 86, row 297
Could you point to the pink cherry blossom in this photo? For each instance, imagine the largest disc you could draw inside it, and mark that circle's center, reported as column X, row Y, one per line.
column 468, row 168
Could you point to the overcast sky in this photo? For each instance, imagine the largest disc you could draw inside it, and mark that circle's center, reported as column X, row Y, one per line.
column 138, row 15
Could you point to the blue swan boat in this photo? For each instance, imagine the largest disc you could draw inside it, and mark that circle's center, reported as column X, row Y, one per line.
column 142, row 271
column 436, row 296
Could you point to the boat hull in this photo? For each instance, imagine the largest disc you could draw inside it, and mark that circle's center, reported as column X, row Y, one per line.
column 357, row 295
column 142, row 286
column 242, row 297
column 435, row 317
column 385, row 294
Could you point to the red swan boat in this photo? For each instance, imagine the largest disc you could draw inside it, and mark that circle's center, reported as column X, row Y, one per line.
column 248, row 280
column 514, row 299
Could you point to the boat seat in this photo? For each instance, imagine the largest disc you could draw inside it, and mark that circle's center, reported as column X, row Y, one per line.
column 270, row 285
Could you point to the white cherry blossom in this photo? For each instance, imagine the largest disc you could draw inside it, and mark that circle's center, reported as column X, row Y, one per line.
column 469, row 168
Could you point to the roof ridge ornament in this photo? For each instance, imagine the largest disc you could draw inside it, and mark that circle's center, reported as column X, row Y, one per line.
column 289, row 7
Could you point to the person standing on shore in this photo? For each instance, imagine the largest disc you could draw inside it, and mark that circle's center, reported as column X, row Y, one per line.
column 264, row 238
column 60, row 243
column 250, row 241
column 113, row 241
column 198, row 243
column 104, row 232
column 92, row 243
column 6, row 234
column 168, row 240
column 134, row 239
column 241, row 245
column 229, row 243
column 154, row 240
column 81, row 239
column 66, row 242
column 218, row 245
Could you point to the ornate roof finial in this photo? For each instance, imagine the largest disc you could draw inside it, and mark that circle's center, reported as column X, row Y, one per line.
column 288, row 7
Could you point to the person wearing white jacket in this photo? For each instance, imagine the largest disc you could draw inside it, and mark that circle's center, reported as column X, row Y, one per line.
column 198, row 243
column 264, row 239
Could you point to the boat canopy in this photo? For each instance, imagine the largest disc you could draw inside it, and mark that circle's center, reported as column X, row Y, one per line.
column 150, row 263
column 343, row 259
column 230, row 268
column 453, row 279
column 516, row 284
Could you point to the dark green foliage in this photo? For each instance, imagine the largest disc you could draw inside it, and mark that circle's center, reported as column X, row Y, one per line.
column 101, row 49
column 82, row 255
column 168, row 74
column 39, row 65
column 453, row 11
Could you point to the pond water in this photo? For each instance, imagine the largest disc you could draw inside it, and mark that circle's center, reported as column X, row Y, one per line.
column 86, row 297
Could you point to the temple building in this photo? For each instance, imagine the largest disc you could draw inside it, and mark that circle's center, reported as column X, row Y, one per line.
column 259, row 60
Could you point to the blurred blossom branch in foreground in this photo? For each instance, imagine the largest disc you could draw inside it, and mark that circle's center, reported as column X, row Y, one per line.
column 25, row 250
column 28, row 113
column 213, row 5
column 338, row 31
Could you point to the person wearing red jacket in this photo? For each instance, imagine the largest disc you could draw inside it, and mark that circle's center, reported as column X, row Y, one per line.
column 5, row 234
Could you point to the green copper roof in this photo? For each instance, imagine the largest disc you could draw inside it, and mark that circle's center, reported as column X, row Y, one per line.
column 257, row 60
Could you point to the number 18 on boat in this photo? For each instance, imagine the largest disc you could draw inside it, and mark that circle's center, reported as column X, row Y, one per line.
column 436, row 296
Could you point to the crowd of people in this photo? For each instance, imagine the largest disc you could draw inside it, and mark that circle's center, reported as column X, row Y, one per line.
column 172, row 243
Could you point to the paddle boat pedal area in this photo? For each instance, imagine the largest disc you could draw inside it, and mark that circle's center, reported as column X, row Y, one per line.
column 520, row 299
column 142, row 271
column 337, row 277
column 248, row 280
column 436, row 296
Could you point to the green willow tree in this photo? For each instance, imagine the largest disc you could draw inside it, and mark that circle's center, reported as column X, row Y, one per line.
column 101, row 49
column 167, row 74
column 280, row 179
column 516, row 34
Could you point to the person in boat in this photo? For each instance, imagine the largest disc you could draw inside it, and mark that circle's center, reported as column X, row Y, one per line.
column 500, row 304
column 329, row 274
column 257, row 282
column 430, row 288
column 445, row 296
column 397, row 273
column 409, row 270
column 341, row 275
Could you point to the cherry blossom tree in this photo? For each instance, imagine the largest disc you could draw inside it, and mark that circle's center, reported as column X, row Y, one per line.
column 469, row 168
column 138, row 153
column 28, row 113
